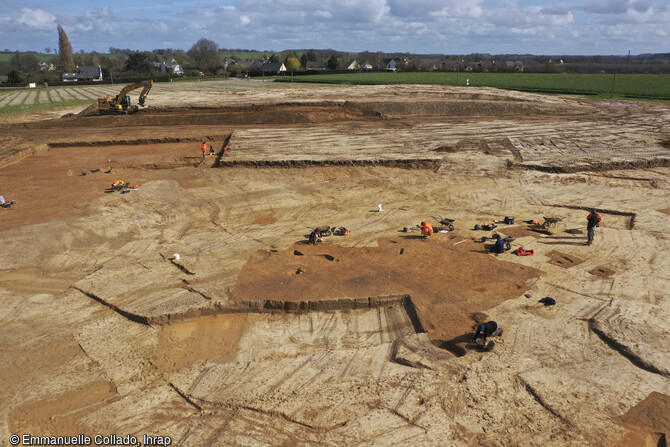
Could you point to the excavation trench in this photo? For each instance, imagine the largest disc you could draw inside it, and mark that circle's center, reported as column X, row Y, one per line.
column 268, row 306
column 626, row 351
column 586, row 165
column 139, row 141
column 286, row 329
column 406, row 163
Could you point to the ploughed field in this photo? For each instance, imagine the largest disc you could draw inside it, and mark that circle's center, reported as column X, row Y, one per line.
column 252, row 337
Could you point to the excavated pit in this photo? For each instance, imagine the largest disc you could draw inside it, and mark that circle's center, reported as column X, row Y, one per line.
column 215, row 337
column 563, row 260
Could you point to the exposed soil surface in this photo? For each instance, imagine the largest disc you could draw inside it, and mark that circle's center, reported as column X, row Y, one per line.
column 211, row 338
column 649, row 421
column 447, row 283
column 192, row 307
column 562, row 260
column 602, row 272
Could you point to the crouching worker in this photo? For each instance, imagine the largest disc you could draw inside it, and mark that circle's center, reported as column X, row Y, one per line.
column 488, row 329
column 314, row 237
column 426, row 229
column 499, row 246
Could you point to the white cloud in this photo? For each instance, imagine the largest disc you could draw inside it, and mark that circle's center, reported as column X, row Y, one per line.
column 83, row 27
column 561, row 20
column 37, row 18
column 423, row 26
column 323, row 14
column 104, row 12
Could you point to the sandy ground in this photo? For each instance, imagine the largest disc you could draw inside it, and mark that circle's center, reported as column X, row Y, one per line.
column 252, row 337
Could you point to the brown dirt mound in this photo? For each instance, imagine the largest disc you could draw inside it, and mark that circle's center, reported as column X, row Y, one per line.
column 446, row 295
column 649, row 421
column 90, row 110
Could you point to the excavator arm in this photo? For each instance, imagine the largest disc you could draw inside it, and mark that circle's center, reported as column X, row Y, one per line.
column 145, row 92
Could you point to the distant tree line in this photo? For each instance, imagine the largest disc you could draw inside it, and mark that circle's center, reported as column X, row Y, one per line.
column 206, row 58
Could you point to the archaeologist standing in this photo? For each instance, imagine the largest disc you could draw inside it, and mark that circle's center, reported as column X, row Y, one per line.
column 593, row 220
column 203, row 148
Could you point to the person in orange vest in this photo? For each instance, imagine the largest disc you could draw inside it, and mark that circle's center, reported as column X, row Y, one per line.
column 426, row 229
column 204, row 149
column 592, row 221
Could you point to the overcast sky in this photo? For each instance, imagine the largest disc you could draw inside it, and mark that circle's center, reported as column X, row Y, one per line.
column 416, row 26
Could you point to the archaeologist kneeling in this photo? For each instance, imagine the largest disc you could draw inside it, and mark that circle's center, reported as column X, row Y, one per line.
column 498, row 246
column 488, row 329
column 426, row 229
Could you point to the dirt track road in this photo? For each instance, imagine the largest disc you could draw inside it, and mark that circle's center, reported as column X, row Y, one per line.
column 254, row 338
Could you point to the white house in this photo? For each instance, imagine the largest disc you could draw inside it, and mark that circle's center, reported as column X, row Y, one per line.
column 352, row 65
column 391, row 65
column 165, row 68
column 273, row 67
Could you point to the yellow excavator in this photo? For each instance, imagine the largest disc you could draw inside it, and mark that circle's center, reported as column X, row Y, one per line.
column 121, row 102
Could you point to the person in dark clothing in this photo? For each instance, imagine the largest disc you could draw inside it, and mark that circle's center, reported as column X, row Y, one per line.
column 314, row 236
column 593, row 220
column 490, row 328
column 499, row 246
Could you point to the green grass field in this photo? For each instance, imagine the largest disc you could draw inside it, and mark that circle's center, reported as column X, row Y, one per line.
column 628, row 85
